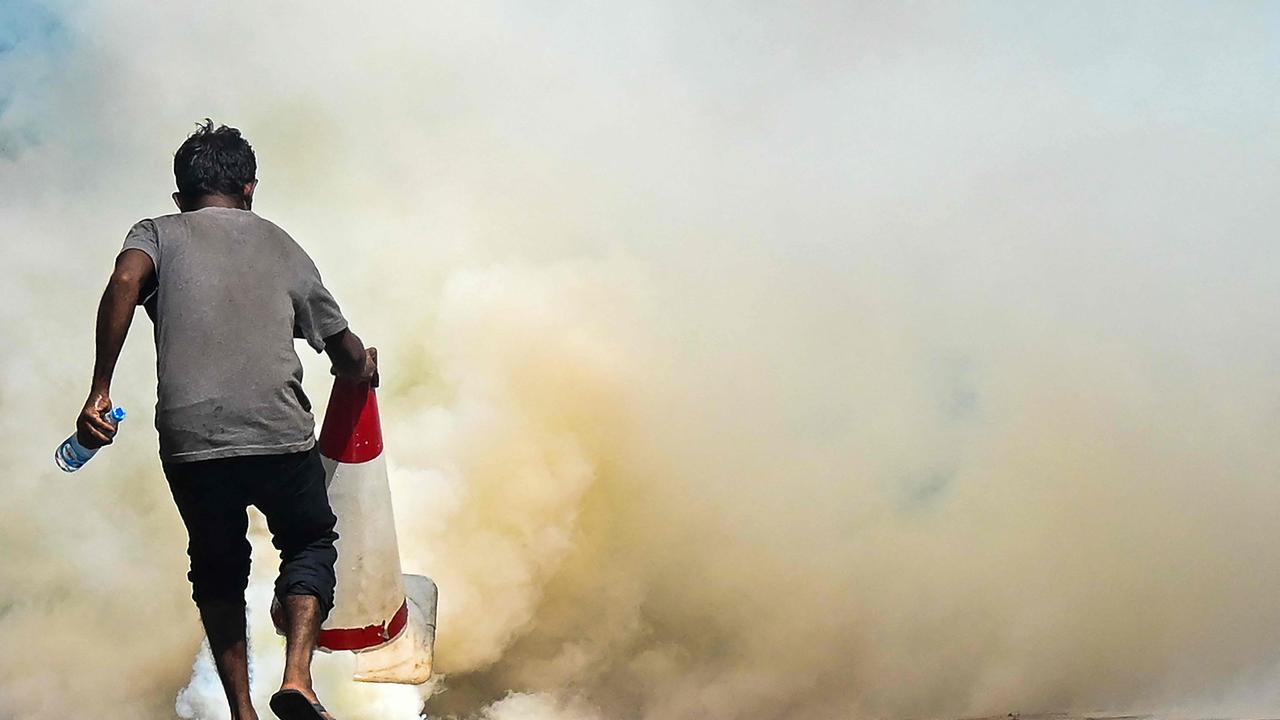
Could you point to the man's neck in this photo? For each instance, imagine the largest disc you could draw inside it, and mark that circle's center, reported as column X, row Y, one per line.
column 222, row 201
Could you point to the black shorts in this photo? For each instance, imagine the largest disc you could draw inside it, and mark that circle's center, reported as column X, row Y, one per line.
column 213, row 497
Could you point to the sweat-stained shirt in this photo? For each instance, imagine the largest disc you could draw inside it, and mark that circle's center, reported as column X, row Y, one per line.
column 232, row 292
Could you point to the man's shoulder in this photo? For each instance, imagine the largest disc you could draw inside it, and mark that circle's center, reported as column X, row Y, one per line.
column 160, row 225
column 271, row 227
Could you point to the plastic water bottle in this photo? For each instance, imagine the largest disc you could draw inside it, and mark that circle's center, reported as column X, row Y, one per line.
column 71, row 455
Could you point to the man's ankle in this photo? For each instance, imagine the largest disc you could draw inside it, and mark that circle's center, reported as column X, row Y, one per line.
column 296, row 683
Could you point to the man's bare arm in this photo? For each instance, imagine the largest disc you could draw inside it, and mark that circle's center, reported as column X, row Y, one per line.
column 351, row 359
column 134, row 271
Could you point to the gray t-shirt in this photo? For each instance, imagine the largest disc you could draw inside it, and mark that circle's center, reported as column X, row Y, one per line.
column 232, row 292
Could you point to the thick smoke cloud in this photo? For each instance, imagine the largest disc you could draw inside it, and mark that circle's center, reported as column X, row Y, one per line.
column 828, row 360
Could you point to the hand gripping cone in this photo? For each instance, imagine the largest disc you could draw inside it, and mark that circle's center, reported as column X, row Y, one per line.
column 386, row 618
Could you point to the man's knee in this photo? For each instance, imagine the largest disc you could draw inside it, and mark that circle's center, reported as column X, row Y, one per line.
column 310, row 532
column 219, row 576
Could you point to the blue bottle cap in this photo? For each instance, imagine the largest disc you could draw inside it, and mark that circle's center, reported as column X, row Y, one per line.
column 116, row 414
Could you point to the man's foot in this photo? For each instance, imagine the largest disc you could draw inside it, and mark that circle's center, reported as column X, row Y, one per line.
column 297, row 704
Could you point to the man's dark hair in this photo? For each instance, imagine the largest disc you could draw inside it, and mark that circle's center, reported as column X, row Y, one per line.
column 214, row 161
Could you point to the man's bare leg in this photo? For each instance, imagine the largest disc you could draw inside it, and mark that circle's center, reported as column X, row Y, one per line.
column 224, row 624
column 302, row 618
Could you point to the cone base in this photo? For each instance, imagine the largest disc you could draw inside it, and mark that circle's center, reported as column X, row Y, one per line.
column 407, row 659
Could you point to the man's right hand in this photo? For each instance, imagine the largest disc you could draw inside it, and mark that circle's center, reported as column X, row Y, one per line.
column 92, row 429
column 370, row 372
column 351, row 359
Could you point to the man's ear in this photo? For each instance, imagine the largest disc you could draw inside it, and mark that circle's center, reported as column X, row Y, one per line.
column 177, row 200
column 248, row 192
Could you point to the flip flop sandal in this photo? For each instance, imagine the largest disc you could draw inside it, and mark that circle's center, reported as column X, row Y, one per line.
column 293, row 705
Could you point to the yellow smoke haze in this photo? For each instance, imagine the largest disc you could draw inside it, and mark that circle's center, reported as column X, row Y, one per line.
column 808, row 361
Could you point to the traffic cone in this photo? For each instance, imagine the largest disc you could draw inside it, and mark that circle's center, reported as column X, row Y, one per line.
column 388, row 619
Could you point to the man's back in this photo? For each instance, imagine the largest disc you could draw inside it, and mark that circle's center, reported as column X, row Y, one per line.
column 232, row 292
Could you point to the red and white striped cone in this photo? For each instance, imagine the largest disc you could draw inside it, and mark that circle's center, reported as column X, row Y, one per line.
column 388, row 619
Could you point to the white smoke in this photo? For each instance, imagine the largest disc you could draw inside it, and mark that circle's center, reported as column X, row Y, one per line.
column 814, row 361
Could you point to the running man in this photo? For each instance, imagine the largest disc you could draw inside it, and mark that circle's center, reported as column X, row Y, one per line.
column 227, row 292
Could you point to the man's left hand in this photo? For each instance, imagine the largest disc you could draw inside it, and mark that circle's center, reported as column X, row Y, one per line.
column 92, row 429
